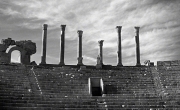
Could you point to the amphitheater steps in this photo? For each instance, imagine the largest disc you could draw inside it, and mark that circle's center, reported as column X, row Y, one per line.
column 62, row 91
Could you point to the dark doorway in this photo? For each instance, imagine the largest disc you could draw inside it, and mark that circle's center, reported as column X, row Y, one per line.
column 96, row 86
column 96, row 91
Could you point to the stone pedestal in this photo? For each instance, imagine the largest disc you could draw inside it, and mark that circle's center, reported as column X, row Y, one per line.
column 137, row 46
column 80, row 59
column 62, row 45
column 82, row 68
column 98, row 66
column 99, row 63
column 44, row 37
column 119, row 46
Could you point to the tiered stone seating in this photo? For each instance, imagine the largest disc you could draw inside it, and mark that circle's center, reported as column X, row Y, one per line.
column 15, row 89
column 134, row 82
column 134, row 86
column 66, row 88
column 169, row 73
column 170, row 78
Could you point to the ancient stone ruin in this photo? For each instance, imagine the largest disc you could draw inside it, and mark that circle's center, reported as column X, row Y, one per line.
column 28, row 86
column 26, row 48
column 79, row 57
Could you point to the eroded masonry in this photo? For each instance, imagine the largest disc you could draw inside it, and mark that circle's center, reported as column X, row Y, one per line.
column 26, row 86
column 26, row 48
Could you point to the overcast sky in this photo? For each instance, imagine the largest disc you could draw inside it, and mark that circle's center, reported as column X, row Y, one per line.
column 159, row 33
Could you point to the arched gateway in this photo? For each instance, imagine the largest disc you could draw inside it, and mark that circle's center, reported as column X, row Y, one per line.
column 26, row 49
column 25, row 59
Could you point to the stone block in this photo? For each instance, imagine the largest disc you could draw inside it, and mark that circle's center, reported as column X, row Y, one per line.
column 57, row 68
column 161, row 68
column 82, row 67
column 98, row 66
column 3, row 48
column 65, row 67
column 168, row 68
column 20, row 66
column 176, row 68
column 167, row 63
column 4, row 58
column 174, row 63
column 151, row 64
column 159, row 63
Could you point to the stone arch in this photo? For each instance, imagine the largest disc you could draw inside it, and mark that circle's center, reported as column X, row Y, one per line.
column 15, row 56
column 25, row 59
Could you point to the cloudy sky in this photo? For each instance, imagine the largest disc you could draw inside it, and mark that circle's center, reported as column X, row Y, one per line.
column 159, row 33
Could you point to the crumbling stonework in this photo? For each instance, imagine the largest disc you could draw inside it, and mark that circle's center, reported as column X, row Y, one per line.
column 26, row 48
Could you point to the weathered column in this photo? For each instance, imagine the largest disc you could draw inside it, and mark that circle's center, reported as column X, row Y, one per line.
column 44, row 39
column 119, row 46
column 62, row 44
column 101, row 51
column 80, row 58
column 137, row 46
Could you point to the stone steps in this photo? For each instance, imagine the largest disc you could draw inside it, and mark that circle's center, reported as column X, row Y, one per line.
column 69, row 90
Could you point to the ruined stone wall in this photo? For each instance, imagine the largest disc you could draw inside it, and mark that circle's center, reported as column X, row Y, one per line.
column 26, row 48
column 168, row 64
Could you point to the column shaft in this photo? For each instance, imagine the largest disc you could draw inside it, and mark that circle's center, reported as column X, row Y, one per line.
column 62, row 44
column 80, row 58
column 80, row 46
column 119, row 46
column 44, row 39
column 137, row 47
column 101, row 51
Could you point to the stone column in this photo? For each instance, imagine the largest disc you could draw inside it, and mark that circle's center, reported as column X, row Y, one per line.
column 137, row 46
column 101, row 51
column 80, row 58
column 119, row 46
column 44, row 39
column 62, row 44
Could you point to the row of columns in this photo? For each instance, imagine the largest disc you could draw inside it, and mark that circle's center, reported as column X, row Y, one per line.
column 137, row 46
column 80, row 58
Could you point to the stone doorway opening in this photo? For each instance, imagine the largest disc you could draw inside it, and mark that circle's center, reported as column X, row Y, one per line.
column 96, row 86
column 16, row 56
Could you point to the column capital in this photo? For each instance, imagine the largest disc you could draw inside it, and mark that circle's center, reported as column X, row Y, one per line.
column 137, row 28
column 101, row 42
column 118, row 27
column 80, row 32
column 63, row 27
column 45, row 26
